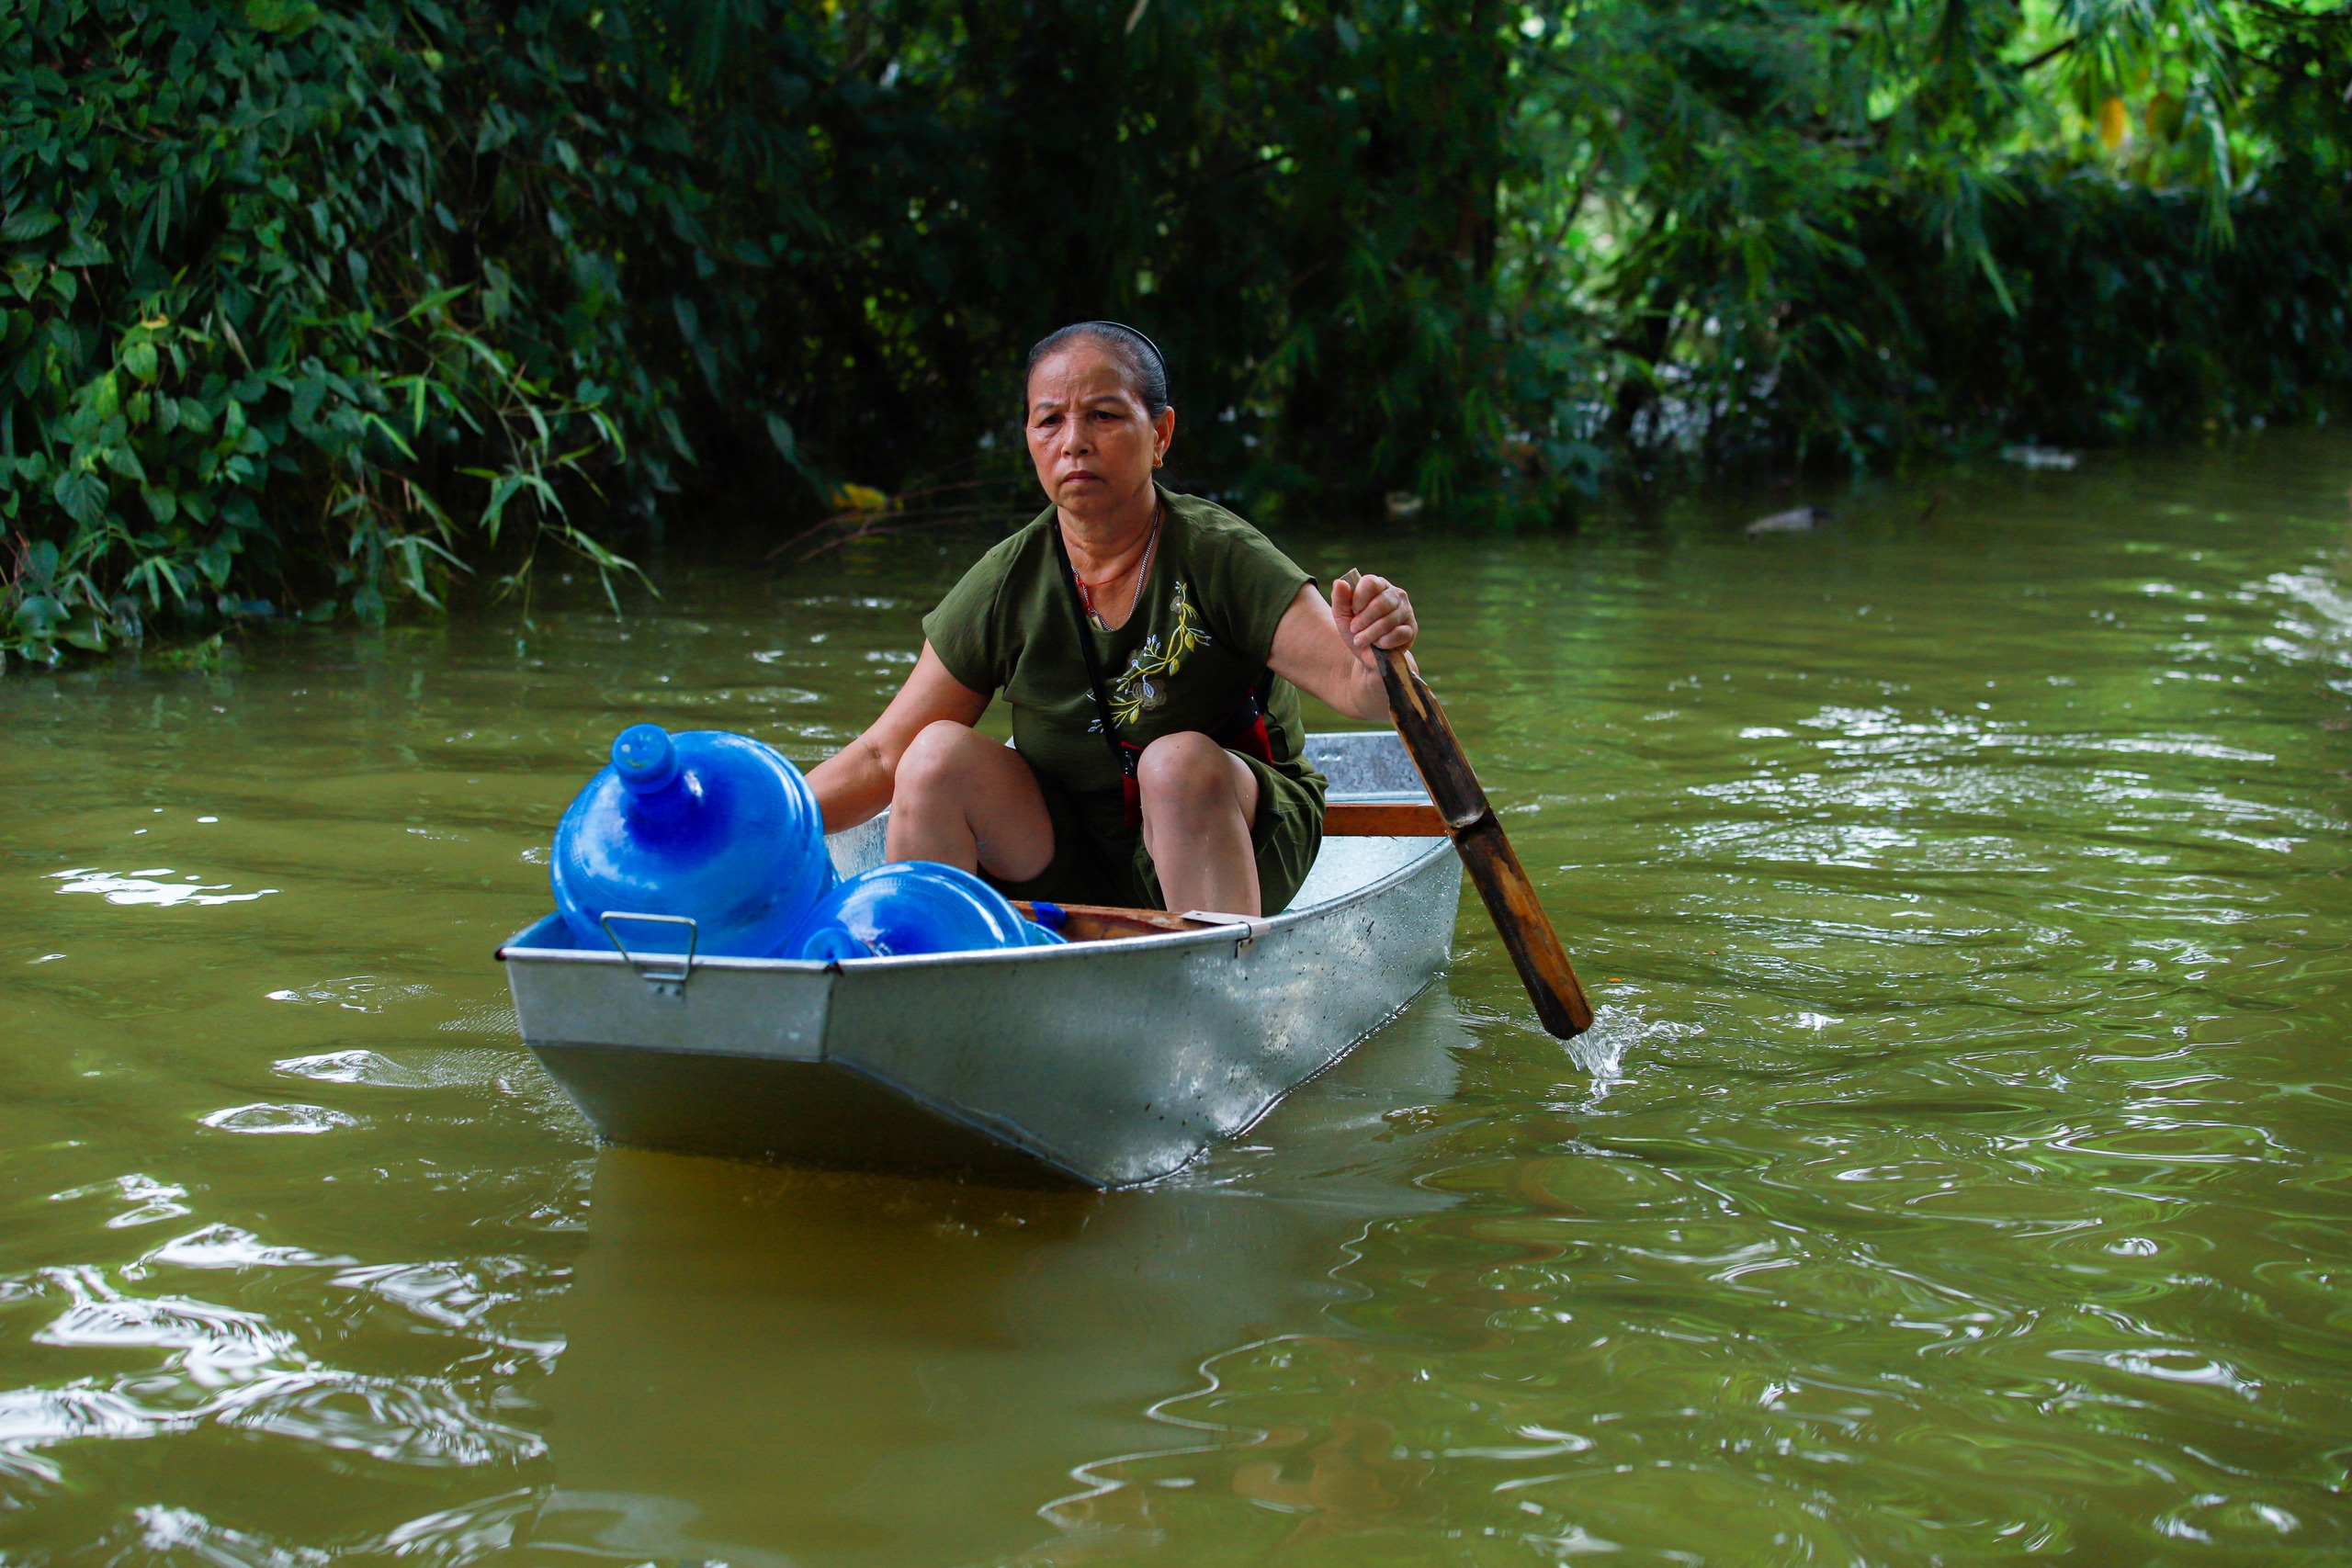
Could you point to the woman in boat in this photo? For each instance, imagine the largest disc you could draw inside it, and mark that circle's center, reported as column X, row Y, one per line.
column 1152, row 647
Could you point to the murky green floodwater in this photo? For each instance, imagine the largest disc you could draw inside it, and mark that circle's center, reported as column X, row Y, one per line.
column 1961, row 1170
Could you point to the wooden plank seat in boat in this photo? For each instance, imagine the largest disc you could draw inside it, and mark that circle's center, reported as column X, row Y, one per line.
column 1341, row 820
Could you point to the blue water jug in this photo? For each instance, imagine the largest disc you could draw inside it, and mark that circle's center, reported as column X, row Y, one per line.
column 915, row 906
column 712, row 827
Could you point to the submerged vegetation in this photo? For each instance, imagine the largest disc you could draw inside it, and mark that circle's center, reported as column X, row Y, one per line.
column 312, row 309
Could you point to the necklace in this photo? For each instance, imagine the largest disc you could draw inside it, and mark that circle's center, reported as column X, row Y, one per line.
column 1143, row 571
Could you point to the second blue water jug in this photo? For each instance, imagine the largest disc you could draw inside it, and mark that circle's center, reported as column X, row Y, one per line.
column 908, row 906
column 709, row 827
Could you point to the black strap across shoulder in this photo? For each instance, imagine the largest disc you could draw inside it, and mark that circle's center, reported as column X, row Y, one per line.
column 1121, row 754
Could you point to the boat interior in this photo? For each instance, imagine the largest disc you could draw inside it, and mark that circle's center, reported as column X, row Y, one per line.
column 1378, row 819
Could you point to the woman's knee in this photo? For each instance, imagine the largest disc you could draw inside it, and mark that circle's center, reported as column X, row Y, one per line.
column 936, row 756
column 1186, row 771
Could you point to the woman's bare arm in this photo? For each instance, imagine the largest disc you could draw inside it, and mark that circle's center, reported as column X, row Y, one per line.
column 1326, row 649
column 854, row 784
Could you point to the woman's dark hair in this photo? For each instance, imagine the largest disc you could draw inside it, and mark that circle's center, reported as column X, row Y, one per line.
column 1138, row 355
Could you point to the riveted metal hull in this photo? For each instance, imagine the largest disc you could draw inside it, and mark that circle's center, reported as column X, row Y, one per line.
column 1107, row 1063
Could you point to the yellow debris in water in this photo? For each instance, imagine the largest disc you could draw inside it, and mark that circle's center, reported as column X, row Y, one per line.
column 861, row 498
column 2114, row 123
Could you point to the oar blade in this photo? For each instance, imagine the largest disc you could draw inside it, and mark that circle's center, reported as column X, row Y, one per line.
column 1535, row 950
column 1485, row 851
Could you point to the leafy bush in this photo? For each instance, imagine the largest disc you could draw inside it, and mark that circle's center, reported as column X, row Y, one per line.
column 313, row 309
column 1810, row 235
column 249, row 372
column 2127, row 322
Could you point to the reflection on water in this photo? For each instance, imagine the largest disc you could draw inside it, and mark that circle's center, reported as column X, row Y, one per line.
column 140, row 887
column 928, row 1362
column 1959, row 1169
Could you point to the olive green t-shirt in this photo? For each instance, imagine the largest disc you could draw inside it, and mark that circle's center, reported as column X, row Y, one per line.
column 1195, row 645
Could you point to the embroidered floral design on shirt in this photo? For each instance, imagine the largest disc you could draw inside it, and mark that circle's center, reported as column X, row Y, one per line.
column 1143, row 687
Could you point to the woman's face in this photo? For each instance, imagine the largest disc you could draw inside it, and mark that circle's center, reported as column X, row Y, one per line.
column 1093, row 444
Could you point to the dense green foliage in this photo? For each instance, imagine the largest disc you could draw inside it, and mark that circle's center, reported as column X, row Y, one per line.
column 311, row 307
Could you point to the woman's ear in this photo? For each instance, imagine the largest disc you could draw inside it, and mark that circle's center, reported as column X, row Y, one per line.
column 1164, row 429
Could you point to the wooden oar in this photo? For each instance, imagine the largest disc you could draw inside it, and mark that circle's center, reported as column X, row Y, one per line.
column 1479, row 839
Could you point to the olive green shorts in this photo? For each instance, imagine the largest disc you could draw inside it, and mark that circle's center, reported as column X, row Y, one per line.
column 1092, row 866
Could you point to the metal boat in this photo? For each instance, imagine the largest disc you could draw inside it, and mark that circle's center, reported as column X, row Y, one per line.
column 1108, row 1062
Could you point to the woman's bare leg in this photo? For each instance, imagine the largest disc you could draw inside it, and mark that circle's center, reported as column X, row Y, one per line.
column 965, row 800
column 1198, row 802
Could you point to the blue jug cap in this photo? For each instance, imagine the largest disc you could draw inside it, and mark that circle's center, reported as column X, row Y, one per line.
column 644, row 758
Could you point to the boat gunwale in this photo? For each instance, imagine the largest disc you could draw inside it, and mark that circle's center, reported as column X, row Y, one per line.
column 1259, row 926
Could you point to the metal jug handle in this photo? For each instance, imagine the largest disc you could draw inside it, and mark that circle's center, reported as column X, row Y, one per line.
column 666, row 981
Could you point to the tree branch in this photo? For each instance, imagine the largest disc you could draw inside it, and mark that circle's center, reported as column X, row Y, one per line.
column 2047, row 55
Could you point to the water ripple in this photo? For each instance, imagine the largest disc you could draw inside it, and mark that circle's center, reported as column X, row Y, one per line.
column 267, row 1118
